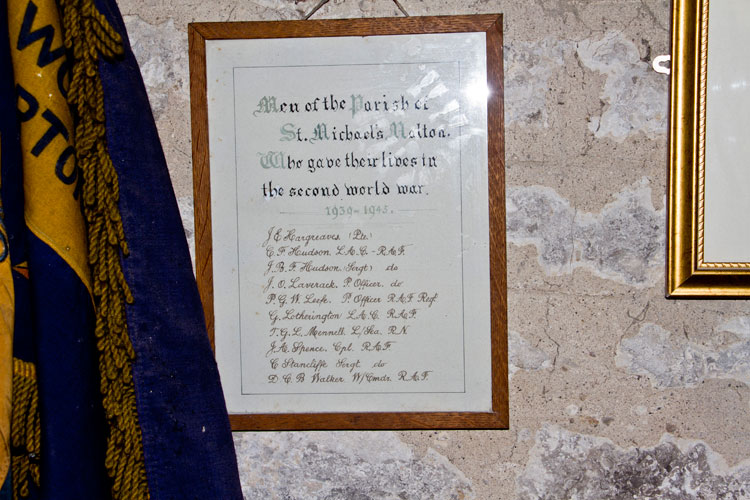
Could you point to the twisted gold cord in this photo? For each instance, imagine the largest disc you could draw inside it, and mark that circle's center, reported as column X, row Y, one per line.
column 87, row 33
column 25, row 429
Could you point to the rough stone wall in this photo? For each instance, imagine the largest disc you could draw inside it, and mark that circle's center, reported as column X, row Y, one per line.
column 615, row 392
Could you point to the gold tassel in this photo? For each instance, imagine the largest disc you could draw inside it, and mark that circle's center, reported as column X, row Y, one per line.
column 25, row 438
column 87, row 33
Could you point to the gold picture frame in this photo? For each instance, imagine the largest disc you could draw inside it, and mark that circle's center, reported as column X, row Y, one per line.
column 689, row 273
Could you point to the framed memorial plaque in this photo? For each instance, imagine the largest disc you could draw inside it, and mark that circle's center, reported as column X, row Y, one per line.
column 708, row 251
column 350, row 220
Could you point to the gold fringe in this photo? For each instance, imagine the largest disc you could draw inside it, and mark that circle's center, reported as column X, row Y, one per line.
column 87, row 33
column 25, row 438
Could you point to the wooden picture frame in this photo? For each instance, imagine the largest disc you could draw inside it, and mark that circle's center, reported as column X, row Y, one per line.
column 697, row 241
column 491, row 344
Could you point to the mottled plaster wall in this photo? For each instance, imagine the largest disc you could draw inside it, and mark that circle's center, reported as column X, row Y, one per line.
column 615, row 391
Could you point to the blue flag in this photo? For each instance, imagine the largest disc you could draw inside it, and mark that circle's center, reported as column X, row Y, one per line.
column 115, row 390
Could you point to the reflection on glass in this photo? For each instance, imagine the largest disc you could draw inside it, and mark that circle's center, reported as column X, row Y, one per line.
column 727, row 171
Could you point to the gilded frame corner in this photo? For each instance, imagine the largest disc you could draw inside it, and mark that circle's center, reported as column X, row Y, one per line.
column 688, row 275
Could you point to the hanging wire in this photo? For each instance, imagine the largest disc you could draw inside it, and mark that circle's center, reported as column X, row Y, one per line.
column 323, row 2
column 316, row 8
column 401, row 8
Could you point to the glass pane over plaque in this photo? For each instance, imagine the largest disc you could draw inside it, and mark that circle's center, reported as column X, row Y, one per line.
column 350, row 226
column 727, row 176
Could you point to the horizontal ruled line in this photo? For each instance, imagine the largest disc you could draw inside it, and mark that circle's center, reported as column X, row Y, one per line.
column 345, row 393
